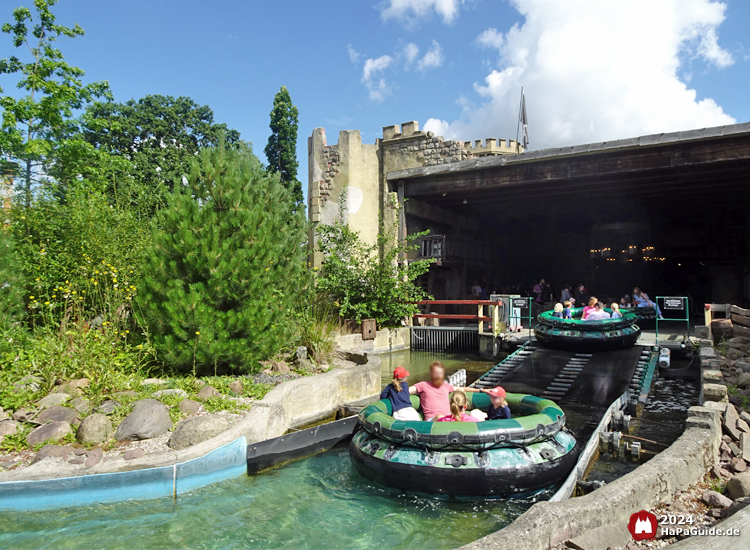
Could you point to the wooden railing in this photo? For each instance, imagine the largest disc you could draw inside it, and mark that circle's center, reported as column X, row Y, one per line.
column 480, row 316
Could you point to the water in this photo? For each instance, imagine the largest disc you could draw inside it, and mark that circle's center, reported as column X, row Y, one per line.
column 316, row 503
column 418, row 364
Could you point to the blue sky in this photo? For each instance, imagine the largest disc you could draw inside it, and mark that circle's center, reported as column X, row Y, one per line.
column 592, row 70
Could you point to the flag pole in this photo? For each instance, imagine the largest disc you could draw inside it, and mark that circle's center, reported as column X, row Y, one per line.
column 520, row 107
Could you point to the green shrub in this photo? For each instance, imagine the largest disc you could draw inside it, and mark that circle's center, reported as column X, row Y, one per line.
column 11, row 286
column 317, row 324
column 224, row 268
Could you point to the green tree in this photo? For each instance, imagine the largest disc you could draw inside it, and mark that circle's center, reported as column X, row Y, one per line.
column 34, row 125
column 370, row 281
column 225, row 266
column 11, row 286
column 158, row 135
column 281, row 150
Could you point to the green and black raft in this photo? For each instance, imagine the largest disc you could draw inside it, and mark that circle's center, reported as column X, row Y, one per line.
column 526, row 454
column 578, row 335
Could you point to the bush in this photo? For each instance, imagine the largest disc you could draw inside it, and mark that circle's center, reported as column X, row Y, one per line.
column 11, row 286
column 224, row 269
column 317, row 325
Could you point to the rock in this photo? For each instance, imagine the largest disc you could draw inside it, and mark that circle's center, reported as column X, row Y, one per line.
column 92, row 461
column 236, row 387
column 77, row 460
column 126, row 393
column 94, row 430
column 733, row 353
column 73, row 387
column 739, row 340
column 177, row 392
column 715, row 513
column 744, row 366
column 743, row 380
column 28, row 383
column 52, row 431
column 8, row 464
column 742, row 426
column 716, row 500
column 200, row 383
column 8, row 427
column 108, row 407
column 745, row 416
column 739, row 486
column 196, row 430
column 738, row 465
column 745, row 446
column 53, row 399
column 724, row 448
column 154, row 382
column 735, row 450
column 714, row 392
column 738, row 346
column 60, row 451
column 725, row 438
column 206, row 393
column 81, row 404
column 3, row 414
column 56, row 413
column 730, row 422
column 133, row 454
column 301, row 353
column 188, row 406
column 23, row 415
column 736, row 506
column 280, row 367
column 149, row 419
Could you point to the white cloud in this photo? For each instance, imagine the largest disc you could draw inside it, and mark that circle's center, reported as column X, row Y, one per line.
column 433, row 58
column 411, row 51
column 377, row 87
column 596, row 71
column 354, row 55
column 410, row 10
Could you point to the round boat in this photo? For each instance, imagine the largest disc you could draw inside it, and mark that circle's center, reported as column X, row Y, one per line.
column 646, row 315
column 578, row 335
column 523, row 455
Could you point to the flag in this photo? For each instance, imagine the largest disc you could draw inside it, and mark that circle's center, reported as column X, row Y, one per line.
column 523, row 121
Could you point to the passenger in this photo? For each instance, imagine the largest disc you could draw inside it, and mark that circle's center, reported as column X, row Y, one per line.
column 589, row 309
column 568, row 311
column 641, row 299
column 616, row 311
column 398, row 392
column 434, row 394
column 626, row 302
column 458, row 405
column 580, row 295
column 499, row 409
column 558, row 312
column 566, row 294
column 598, row 314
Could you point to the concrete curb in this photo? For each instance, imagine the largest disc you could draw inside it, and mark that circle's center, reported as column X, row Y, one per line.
column 681, row 465
column 289, row 405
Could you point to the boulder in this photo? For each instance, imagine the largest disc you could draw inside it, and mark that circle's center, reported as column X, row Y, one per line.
column 744, row 366
column 730, row 422
column 739, row 486
column 196, row 430
column 53, row 399
column 188, row 406
column 236, row 387
column 744, row 446
column 52, row 431
column 738, row 346
column 743, row 380
column 738, row 465
column 56, row 413
column 81, row 404
column 23, row 415
column 739, row 340
column 94, row 430
column 745, row 416
column 206, row 393
column 176, row 392
column 59, row 451
column 149, row 419
column 28, row 383
column 199, row 383
column 734, row 354
column 742, row 426
column 73, row 387
column 8, row 427
column 716, row 500
column 280, row 367
column 108, row 407
column 154, row 382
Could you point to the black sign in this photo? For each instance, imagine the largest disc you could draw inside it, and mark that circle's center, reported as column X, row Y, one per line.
column 520, row 303
column 676, row 303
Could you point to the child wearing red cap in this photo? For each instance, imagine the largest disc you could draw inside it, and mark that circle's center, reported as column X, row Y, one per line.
column 499, row 409
column 398, row 392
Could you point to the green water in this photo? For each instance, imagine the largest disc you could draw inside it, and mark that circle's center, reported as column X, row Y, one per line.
column 418, row 364
column 316, row 503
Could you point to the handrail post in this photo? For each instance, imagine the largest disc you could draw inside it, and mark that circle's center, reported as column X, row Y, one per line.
column 480, row 313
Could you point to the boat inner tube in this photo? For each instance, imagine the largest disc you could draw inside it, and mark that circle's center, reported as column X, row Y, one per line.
column 578, row 334
column 534, row 419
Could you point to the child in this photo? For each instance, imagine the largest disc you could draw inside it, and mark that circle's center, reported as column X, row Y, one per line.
column 589, row 309
column 398, row 392
column 433, row 394
column 458, row 409
column 616, row 311
column 558, row 311
column 499, row 409
column 599, row 314
column 567, row 312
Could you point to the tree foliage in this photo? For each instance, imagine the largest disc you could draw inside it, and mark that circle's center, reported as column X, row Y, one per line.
column 36, row 124
column 225, row 266
column 158, row 135
column 370, row 281
column 11, row 285
column 281, row 150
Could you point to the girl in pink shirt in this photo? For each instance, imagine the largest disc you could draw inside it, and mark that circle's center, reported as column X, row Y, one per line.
column 458, row 409
column 589, row 308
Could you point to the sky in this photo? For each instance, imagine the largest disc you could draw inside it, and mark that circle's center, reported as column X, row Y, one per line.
column 592, row 70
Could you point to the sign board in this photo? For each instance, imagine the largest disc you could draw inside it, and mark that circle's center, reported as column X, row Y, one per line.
column 675, row 303
column 520, row 303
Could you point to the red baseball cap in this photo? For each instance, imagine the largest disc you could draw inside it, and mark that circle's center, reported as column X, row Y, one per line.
column 499, row 391
column 400, row 372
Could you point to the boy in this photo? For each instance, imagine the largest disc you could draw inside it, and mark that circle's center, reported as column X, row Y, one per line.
column 499, row 409
column 567, row 314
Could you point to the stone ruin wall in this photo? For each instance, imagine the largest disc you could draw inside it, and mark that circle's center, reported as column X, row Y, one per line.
column 332, row 159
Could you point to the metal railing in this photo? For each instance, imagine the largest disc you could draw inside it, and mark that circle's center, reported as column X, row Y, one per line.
column 672, row 303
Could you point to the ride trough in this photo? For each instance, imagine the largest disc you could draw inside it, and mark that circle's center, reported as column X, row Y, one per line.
column 520, row 456
column 587, row 336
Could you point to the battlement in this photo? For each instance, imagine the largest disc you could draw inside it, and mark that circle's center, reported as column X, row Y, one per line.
column 478, row 148
column 493, row 146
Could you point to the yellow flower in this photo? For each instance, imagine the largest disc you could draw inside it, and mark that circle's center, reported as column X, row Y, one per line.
column 198, row 332
column 266, row 269
column 46, row 303
column 127, row 332
column 96, row 283
column 31, row 297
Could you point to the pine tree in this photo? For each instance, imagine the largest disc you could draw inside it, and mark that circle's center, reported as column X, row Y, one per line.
column 225, row 266
column 281, row 150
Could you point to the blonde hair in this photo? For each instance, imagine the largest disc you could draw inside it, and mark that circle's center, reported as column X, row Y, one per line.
column 592, row 301
column 458, row 404
column 615, row 306
column 558, row 308
column 567, row 303
column 397, row 383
